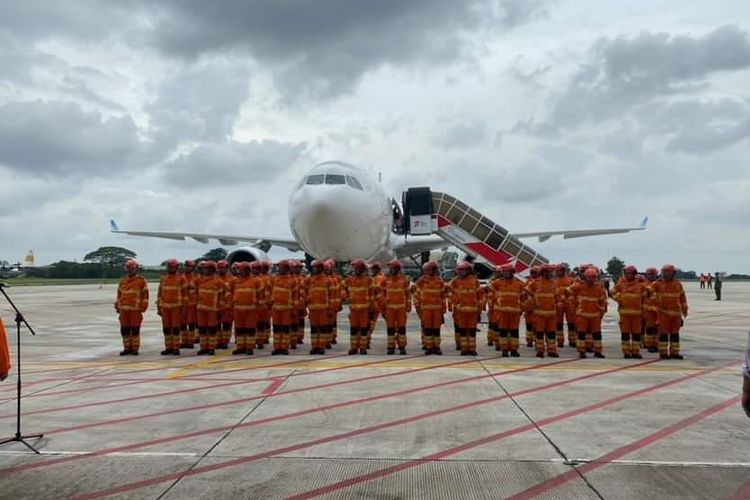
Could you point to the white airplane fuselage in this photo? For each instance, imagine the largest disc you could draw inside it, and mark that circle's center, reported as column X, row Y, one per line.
column 340, row 211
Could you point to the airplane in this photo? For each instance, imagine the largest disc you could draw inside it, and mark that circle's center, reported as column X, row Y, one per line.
column 340, row 211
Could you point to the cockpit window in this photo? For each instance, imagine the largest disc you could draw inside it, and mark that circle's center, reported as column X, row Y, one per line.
column 335, row 179
column 315, row 179
column 353, row 182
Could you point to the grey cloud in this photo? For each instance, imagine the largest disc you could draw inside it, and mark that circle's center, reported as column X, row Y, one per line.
column 323, row 48
column 466, row 134
column 233, row 163
column 60, row 138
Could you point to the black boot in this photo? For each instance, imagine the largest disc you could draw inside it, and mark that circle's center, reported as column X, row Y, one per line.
column 166, row 352
column 582, row 355
column 515, row 354
column 637, row 356
column 435, row 350
column 391, row 350
column 402, row 351
column 599, row 355
column 353, row 351
column 505, row 353
column 125, row 352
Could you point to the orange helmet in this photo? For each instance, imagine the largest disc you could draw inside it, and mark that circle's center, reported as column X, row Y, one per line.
column 131, row 264
column 591, row 273
column 189, row 263
column 222, row 264
column 376, row 265
column 394, row 264
column 630, row 270
column 359, row 264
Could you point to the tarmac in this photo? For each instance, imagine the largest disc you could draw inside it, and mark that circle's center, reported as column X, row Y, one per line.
column 374, row 426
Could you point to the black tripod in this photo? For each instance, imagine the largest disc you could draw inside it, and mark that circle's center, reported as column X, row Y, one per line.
column 19, row 438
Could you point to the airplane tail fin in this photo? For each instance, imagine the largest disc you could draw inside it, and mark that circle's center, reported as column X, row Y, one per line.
column 113, row 225
column 644, row 222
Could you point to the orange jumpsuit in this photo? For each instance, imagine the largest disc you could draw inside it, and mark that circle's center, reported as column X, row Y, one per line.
column 465, row 301
column 210, row 298
column 188, row 332
column 669, row 297
column 336, row 307
column 378, row 280
column 170, row 301
column 247, row 295
column 650, row 317
column 131, row 303
column 264, row 313
column 490, row 293
column 564, row 312
column 528, row 314
column 4, row 351
column 509, row 295
column 319, row 299
column 360, row 292
column 226, row 316
column 429, row 301
column 543, row 293
column 630, row 296
column 298, row 327
column 284, row 302
column 591, row 300
column 394, row 301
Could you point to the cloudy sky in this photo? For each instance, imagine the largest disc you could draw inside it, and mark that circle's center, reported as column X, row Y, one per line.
column 545, row 114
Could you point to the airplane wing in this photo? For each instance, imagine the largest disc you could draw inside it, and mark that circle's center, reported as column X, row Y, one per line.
column 581, row 233
column 258, row 241
column 413, row 245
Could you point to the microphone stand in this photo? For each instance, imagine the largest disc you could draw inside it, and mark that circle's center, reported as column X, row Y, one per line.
column 19, row 438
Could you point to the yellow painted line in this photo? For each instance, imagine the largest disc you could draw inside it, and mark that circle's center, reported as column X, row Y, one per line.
column 185, row 370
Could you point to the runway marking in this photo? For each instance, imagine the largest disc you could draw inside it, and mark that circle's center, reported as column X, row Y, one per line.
column 577, row 472
column 440, row 455
column 743, row 493
column 273, row 386
column 202, row 364
column 188, row 390
column 354, row 402
column 344, row 436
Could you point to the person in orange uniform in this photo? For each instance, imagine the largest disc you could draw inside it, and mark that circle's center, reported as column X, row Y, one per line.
column 359, row 290
column 376, row 272
column 188, row 333
column 591, row 300
column 630, row 295
column 510, row 294
column 336, row 307
column 295, row 337
column 543, row 294
column 564, row 312
column 490, row 293
column 320, row 290
column 247, row 295
column 650, row 312
column 669, row 297
column 224, row 333
column 430, row 293
column 394, row 301
column 528, row 309
column 170, row 303
column 131, row 303
column 465, row 302
column 284, row 303
column 4, row 353
column 262, row 332
column 211, row 296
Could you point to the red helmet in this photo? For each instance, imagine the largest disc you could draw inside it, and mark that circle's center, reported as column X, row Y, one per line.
column 296, row 264
column 640, row 277
column 535, row 270
column 172, row 263
column 131, row 264
column 255, row 265
column 328, row 265
column 394, row 264
column 430, row 266
column 651, row 271
column 359, row 264
column 189, row 263
column 376, row 265
column 283, row 264
column 508, row 268
column 222, row 264
column 463, row 265
column 668, row 268
column 236, row 265
column 208, row 264
column 591, row 273
column 497, row 269
column 630, row 270
column 265, row 265
column 317, row 263
column 560, row 267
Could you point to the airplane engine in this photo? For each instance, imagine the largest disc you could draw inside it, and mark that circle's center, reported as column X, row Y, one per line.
column 247, row 254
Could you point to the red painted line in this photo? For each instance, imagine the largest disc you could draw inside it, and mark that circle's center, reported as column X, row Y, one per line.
column 359, row 432
column 183, row 436
column 489, row 439
column 272, row 387
column 620, row 452
column 742, row 494
column 173, row 392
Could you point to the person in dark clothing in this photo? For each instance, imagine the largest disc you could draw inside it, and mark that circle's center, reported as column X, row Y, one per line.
column 717, row 287
column 710, row 281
